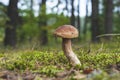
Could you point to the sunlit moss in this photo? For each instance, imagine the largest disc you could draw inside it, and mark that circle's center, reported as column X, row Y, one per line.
column 49, row 61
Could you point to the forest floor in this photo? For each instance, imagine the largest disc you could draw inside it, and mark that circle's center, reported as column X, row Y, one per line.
column 100, row 61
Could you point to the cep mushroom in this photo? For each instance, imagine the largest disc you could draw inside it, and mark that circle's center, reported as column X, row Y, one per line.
column 66, row 32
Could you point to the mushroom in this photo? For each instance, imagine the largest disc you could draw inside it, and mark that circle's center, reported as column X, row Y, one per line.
column 66, row 32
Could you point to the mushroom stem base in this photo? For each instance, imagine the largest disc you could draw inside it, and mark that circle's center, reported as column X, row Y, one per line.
column 66, row 46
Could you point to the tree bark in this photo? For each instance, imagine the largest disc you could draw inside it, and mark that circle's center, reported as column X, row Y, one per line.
column 67, row 2
column 109, row 18
column 95, row 20
column 72, row 19
column 86, row 20
column 78, row 17
column 10, row 31
column 31, row 5
column 43, row 34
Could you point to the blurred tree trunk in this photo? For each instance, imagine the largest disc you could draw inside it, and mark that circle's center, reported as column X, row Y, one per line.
column 78, row 17
column 67, row 2
column 31, row 9
column 86, row 20
column 72, row 19
column 108, row 17
column 95, row 20
column 118, row 11
column 31, row 5
column 66, row 7
column 43, row 23
column 10, row 31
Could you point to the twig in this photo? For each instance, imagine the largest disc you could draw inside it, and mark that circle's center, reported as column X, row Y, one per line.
column 104, row 35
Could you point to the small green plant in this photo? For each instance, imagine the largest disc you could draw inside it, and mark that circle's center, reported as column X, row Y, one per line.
column 49, row 70
column 50, row 61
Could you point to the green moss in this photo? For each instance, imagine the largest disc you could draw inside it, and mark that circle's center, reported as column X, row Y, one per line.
column 50, row 61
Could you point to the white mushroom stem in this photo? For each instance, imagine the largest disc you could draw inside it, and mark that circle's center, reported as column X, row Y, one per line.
column 66, row 46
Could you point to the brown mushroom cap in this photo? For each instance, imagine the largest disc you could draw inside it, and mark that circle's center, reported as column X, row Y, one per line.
column 66, row 31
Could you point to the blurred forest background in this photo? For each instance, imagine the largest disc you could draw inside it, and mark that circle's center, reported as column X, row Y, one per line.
column 24, row 25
